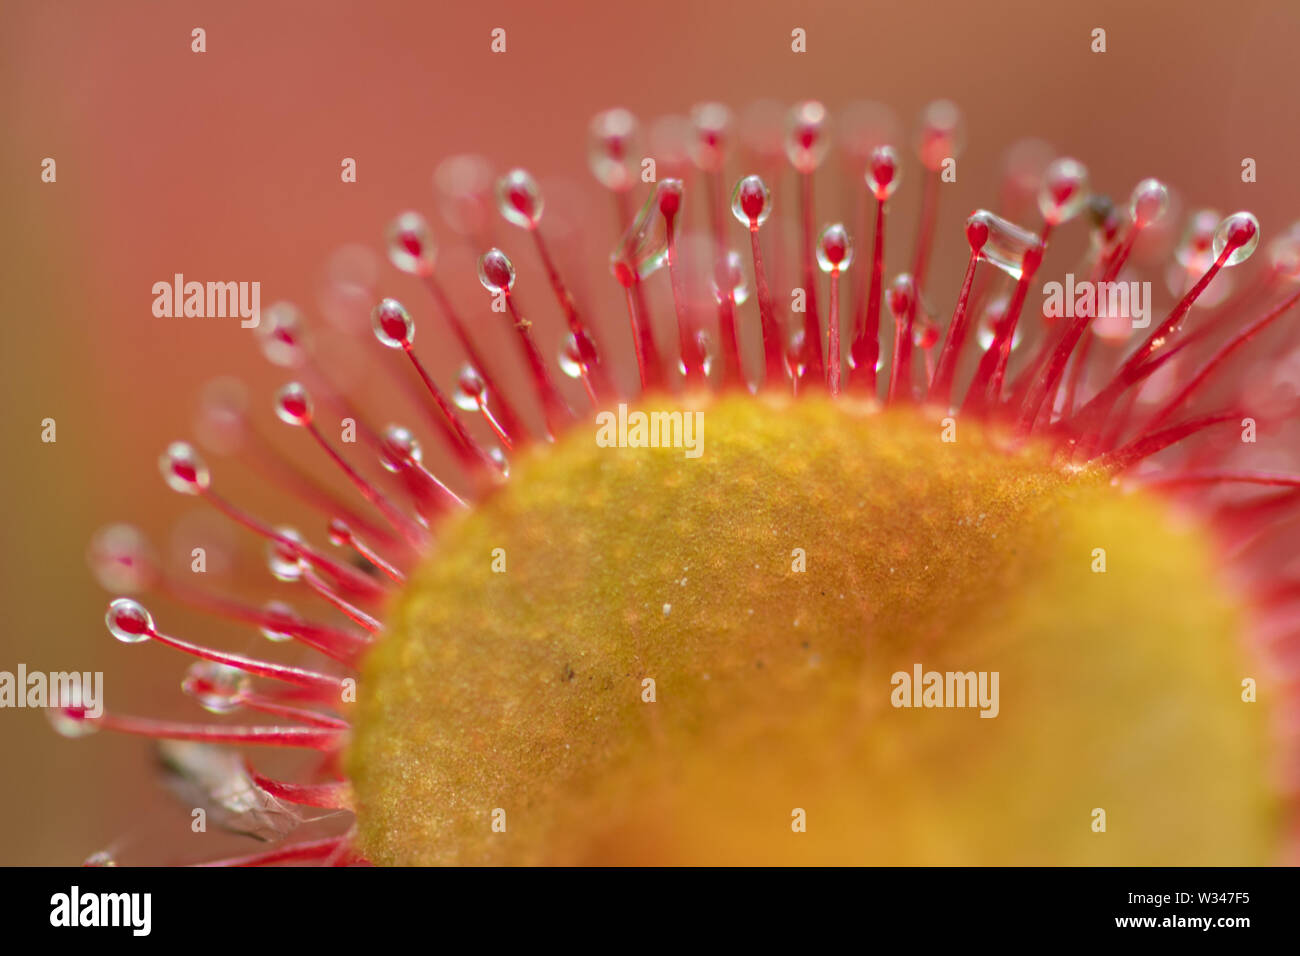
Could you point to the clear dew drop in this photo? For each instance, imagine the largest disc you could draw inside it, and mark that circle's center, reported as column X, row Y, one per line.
column 884, row 172
column 1240, row 229
column 611, row 147
column 1195, row 249
column 711, row 124
column 1284, row 254
column 495, row 271
column 293, row 405
column 729, row 275
column 471, row 391
column 399, row 448
column 1007, row 245
column 220, row 423
column 807, row 136
column 900, row 297
column 751, row 201
column 410, row 244
column 463, row 184
column 183, row 469
column 393, row 325
column 218, row 688
column 499, row 459
column 284, row 560
column 128, row 621
column 993, row 317
column 519, row 199
column 863, row 125
column 941, row 134
column 102, row 858
column 570, row 357
column 280, row 610
column 643, row 248
column 703, row 348
column 71, row 722
column 281, row 333
column 1064, row 191
column 834, row 249
column 1148, row 203
column 121, row 559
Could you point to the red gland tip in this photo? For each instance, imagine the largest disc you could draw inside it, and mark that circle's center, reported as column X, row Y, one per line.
column 495, row 271
column 519, row 199
column 183, row 469
column 410, row 244
column 129, row 622
column 293, row 405
column 882, row 175
column 751, row 202
column 393, row 325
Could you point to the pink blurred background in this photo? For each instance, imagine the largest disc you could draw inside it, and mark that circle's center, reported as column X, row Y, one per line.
column 225, row 165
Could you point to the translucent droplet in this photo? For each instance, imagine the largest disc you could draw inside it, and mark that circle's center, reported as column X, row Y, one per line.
column 499, row 459
column 71, row 721
column 128, row 621
column 1064, row 191
column 611, row 143
column 796, row 355
column 519, row 199
column 220, row 422
column 398, row 449
column 672, row 139
column 644, row 247
column 863, row 126
column 285, row 560
column 410, row 244
column 900, row 297
column 289, row 617
column 339, row 533
column 1006, row 245
column 570, row 358
column 729, row 276
column 121, row 559
column 668, row 197
column 704, row 349
column 925, row 332
column 941, row 134
column 1148, row 203
column 834, row 249
column 884, row 172
column 1284, row 253
column 471, row 391
column 994, row 316
column 1193, row 252
column 495, row 271
column 282, row 335
column 807, row 136
column 463, row 184
column 293, row 405
column 1023, row 166
column 102, row 858
column 751, row 201
column 712, row 126
column 1240, row 230
column 183, row 469
column 393, row 325
column 218, row 688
